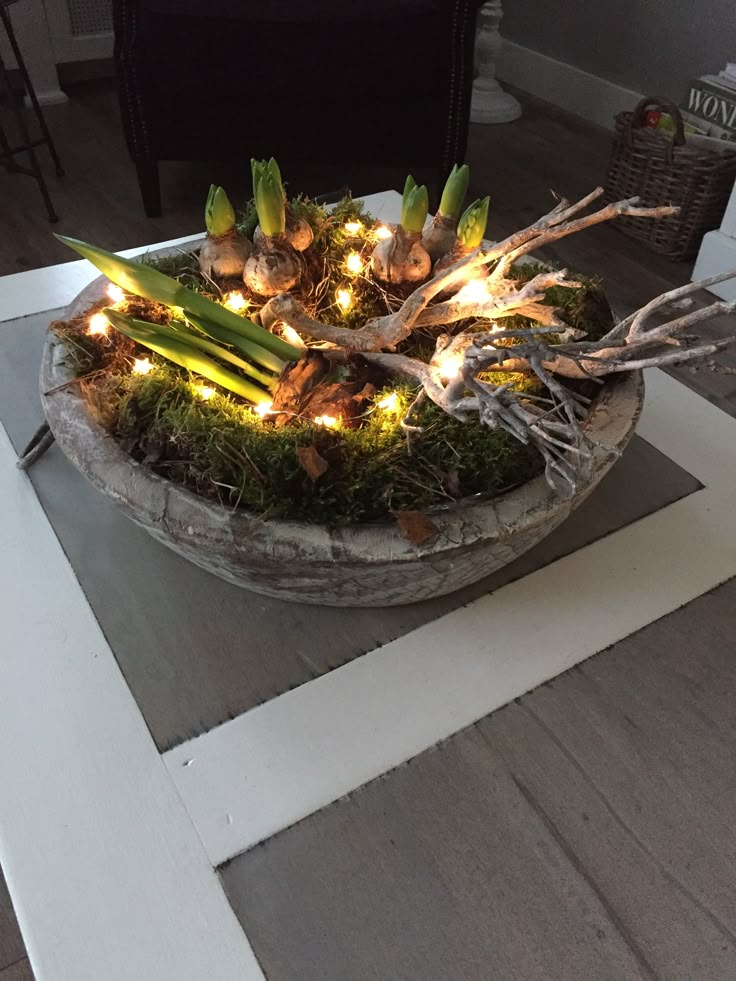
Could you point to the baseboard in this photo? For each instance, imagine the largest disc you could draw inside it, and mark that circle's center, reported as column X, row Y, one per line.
column 74, row 72
column 594, row 98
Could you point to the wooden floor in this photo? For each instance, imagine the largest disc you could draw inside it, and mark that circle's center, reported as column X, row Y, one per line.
column 609, row 792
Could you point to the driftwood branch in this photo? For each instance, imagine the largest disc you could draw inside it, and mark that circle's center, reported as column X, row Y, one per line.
column 478, row 289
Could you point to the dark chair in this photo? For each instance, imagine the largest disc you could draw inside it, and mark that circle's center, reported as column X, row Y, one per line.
column 346, row 84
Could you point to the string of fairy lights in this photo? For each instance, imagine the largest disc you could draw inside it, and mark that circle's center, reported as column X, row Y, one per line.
column 353, row 265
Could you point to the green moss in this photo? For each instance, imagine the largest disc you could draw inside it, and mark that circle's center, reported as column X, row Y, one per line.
column 223, row 450
column 585, row 308
column 248, row 219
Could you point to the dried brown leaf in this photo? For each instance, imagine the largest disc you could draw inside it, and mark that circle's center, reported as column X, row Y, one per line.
column 416, row 527
column 366, row 392
column 310, row 460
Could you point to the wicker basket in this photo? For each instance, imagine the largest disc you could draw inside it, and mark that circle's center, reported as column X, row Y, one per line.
column 667, row 170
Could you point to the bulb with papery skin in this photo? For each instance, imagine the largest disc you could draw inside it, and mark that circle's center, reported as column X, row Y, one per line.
column 225, row 250
column 440, row 237
column 298, row 233
column 401, row 258
column 224, row 256
column 273, row 268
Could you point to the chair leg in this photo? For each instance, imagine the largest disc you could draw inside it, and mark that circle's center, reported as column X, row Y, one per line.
column 27, row 145
column 31, row 93
column 150, row 187
column 6, row 157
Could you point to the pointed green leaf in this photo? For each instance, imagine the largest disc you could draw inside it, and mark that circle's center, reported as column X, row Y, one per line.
column 219, row 214
column 472, row 225
column 185, row 355
column 414, row 209
column 456, row 187
column 275, row 172
column 145, row 281
column 270, row 205
column 409, row 185
column 240, row 343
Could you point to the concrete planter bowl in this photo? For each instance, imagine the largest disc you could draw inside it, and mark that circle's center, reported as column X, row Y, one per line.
column 362, row 565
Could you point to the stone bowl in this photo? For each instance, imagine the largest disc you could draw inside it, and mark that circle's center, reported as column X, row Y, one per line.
column 359, row 565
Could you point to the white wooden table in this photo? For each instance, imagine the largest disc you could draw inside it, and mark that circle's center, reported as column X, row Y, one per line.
column 110, row 847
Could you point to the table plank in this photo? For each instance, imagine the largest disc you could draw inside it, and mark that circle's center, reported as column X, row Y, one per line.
column 585, row 831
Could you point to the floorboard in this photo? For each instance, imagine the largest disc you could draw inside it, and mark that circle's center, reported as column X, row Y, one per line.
column 11, row 942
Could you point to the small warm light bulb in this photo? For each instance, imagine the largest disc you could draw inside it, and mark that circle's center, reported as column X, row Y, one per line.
column 475, row 291
column 383, row 231
column 353, row 263
column 141, row 366
column 262, row 409
column 115, row 293
column 330, row 422
column 353, row 227
column 290, row 335
column 235, row 301
column 98, row 324
column 390, row 403
column 450, row 365
column 205, row 391
column 344, row 299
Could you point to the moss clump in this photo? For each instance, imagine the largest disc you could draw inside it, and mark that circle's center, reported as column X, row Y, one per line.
column 585, row 307
column 223, row 450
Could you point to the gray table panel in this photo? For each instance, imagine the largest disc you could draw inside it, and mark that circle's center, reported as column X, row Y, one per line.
column 197, row 651
column 583, row 833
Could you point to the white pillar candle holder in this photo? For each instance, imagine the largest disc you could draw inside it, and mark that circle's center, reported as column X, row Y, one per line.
column 490, row 104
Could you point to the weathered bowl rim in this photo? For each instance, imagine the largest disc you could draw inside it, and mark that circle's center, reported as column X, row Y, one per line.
column 151, row 499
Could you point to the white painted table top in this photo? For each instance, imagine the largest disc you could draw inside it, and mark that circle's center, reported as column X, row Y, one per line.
column 109, row 848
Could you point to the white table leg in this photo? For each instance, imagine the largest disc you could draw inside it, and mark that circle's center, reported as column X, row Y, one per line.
column 490, row 104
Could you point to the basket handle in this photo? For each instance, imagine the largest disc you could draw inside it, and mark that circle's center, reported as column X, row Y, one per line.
column 638, row 118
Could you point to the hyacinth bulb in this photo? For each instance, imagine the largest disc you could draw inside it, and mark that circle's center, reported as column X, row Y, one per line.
column 225, row 250
column 440, row 237
column 224, row 256
column 273, row 267
column 401, row 258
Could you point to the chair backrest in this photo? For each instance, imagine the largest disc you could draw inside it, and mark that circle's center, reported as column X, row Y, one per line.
column 330, row 82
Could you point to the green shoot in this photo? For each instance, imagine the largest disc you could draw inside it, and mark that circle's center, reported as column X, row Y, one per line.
column 472, row 226
column 414, row 206
column 456, row 187
column 275, row 172
column 269, row 198
column 219, row 215
column 409, row 185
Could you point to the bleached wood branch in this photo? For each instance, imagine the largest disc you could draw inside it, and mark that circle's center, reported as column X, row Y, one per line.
column 554, row 422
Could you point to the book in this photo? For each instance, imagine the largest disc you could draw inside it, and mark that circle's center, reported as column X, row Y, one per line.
column 726, row 80
column 719, row 85
column 700, row 127
column 704, row 128
column 728, row 74
column 713, row 104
